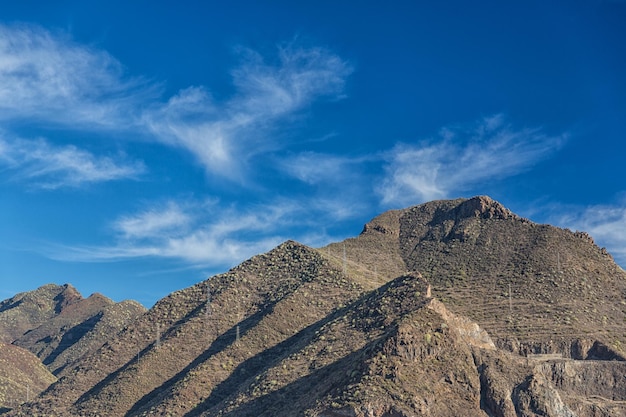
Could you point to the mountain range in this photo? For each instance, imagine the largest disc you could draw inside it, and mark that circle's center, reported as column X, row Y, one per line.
column 449, row 308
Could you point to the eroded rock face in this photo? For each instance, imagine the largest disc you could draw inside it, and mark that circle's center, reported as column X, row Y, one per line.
column 568, row 348
column 422, row 365
column 538, row 397
column 513, row 386
column 469, row 331
column 483, row 207
column 588, row 386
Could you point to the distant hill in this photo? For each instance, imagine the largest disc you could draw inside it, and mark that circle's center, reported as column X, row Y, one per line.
column 57, row 326
column 28, row 310
column 449, row 308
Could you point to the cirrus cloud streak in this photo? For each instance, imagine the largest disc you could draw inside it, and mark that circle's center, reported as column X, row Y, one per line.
column 224, row 136
column 492, row 149
column 48, row 166
column 48, row 79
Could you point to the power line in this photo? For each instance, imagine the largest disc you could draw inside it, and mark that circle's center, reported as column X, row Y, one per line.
column 510, row 302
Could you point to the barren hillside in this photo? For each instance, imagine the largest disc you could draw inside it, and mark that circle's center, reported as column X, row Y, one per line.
column 455, row 307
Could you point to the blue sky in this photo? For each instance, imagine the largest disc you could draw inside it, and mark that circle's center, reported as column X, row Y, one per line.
column 147, row 145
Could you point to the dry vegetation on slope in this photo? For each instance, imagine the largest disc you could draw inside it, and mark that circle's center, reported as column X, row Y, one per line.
column 525, row 283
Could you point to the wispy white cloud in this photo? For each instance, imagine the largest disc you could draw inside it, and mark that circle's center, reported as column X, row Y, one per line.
column 339, row 186
column 51, row 166
column 298, row 76
column 224, row 136
column 461, row 158
column 153, row 222
column 207, row 233
column 316, row 168
column 45, row 76
column 203, row 233
column 201, row 247
column 48, row 79
column 425, row 170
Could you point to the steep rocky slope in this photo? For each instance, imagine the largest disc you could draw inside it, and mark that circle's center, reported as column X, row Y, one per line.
column 26, row 311
column 50, row 329
column 535, row 288
column 379, row 356
column 455, row 307
column 204, row 331
column 79, row 328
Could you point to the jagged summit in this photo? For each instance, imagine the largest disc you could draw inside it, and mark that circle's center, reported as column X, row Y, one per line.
column 521, row 280
column 51, row 328
column 483, row 207
column 27, row 310
column 442, row 211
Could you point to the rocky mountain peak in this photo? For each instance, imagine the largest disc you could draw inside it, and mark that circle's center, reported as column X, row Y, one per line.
column 68, row 296
column 46, row 330
column 483, row 207
column 459, row 211
column 453, row 307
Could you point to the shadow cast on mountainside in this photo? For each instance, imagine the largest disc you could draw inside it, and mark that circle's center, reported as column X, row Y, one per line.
column 71, row 337
column 269, row 358
column 257, row 365
column 11, row 305
column 222, row 342
column 135, row 358
column 305, row 392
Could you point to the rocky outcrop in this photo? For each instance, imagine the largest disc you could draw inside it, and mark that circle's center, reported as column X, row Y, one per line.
column 469, row 331
column 59, row 325
column 538, row 397
column 27, row 311
column 513, row 386
column 590, row 388
column 564, row 347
